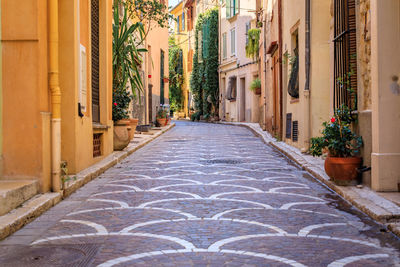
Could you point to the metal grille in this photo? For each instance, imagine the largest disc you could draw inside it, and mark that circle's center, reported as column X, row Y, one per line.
column 95, row 60
column 295, row 135
column 289, row 125
column 345, row 54
column 97, row 145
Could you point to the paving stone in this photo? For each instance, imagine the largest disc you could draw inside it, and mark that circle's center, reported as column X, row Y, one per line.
column 210, row 195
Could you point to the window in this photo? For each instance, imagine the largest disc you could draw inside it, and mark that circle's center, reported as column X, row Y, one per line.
column 183, row 21
column 224, row 52
column 95, row 26
column 178, row 21
column 190, row 18
column 248, row 26
column 232, row 8
column 233, row 42
column 293, row 58
column 345, row 54
column 190, row 60
column 232, row 92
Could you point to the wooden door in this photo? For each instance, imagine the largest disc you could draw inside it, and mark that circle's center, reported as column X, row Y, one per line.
column 276, row 96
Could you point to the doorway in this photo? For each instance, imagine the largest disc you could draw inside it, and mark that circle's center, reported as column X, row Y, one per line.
column 242, row 108
column 276, row 119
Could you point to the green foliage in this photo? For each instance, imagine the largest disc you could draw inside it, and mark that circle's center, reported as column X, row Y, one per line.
column 162, row 114
column 253, row 45
column 255, row 84
column 195, row 116
column 337, row 136
column 176, row 78
column 204, row 81
column 121, row 100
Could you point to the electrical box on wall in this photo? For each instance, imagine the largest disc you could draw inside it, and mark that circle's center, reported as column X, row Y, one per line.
column 82, row 78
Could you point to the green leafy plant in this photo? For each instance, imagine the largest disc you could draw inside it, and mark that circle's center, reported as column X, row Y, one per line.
column 122, row 99
column 204, row 80
column 195, row 116
column 253, row 46
column 162, row 114
column 337, row 136
column 175, row 58
column 255, row 84
column 64, row 174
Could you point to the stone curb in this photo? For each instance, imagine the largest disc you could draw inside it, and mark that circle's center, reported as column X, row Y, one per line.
column 30, row 210
column 95, row 170
column 33, row 208
column 364, row 198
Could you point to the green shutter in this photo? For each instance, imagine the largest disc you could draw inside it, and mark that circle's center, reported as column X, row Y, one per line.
column 236, row 4
column 228, row 8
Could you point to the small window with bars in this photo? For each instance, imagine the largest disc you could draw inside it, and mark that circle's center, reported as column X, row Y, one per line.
column 295, row 131
column 97, row 150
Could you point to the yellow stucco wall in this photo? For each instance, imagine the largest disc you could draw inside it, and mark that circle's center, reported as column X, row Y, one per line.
column 182, row 39
column 26, row 128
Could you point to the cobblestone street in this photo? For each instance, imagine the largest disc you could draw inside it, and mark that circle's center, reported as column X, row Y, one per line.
column 203, row 195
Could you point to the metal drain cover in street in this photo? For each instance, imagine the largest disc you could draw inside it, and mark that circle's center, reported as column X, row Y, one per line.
column 177, row 141
column 52, row 255
column 221, row 161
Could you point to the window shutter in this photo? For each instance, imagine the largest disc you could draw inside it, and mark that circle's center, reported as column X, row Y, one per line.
column 233, row 42
column 183, row 21
column 179, row 23
column 236, row 5
column 95, row 60
column 228, row 8
column 224, row 45
column 247, row 32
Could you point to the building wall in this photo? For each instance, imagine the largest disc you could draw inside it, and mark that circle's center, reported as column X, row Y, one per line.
column 238, row 65
column 158, row 40
column 24, row 45
column 182, row 39
column 385, row 63
column 25, row 80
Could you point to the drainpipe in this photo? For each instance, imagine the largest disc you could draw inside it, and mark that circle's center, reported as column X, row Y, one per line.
column 307, row 118
column 265, row 73
column 280, row 47
column 55, row 95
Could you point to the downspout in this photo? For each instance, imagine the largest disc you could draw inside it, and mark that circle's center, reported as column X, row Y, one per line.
column 55, row 96
column 307, row 122
column 280, row 69
column 265, row 73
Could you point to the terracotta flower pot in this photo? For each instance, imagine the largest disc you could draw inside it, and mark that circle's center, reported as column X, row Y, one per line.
column 121, row 136
column 133, row 124
column 162, row 121
column 342, row 170
column 257, row 91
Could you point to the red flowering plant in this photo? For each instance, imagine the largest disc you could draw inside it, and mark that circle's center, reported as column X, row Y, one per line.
column 121, row 100
column 337, row 136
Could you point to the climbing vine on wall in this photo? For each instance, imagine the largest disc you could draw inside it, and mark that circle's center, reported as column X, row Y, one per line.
column 204, row 80
column 176, row 78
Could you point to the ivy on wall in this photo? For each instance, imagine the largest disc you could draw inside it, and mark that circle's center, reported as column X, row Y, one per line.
column 176, row 78
column 204, row 81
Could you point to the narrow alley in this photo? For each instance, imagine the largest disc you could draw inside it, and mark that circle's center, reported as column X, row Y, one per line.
column 203, row 195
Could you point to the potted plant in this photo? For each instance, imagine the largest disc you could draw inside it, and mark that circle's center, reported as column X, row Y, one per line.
column 255, row 86
column 165, row 79
column 162, row 117
column 342, row 145
column 122, row 127
column 127, row 81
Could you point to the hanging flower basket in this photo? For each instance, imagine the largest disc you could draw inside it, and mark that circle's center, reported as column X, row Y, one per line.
column 166, row 80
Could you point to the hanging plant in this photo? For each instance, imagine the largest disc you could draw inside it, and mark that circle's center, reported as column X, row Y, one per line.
column 253, row 46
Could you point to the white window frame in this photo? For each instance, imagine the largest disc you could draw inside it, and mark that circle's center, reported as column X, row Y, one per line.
column 233, row 41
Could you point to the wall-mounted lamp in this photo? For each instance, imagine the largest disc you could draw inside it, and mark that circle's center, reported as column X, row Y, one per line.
column 395, row 86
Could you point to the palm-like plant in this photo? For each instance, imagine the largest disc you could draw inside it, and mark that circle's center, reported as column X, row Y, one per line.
column 126, row 55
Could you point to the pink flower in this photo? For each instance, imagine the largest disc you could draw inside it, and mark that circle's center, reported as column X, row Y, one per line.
column 115, row 103
column 333, row 120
